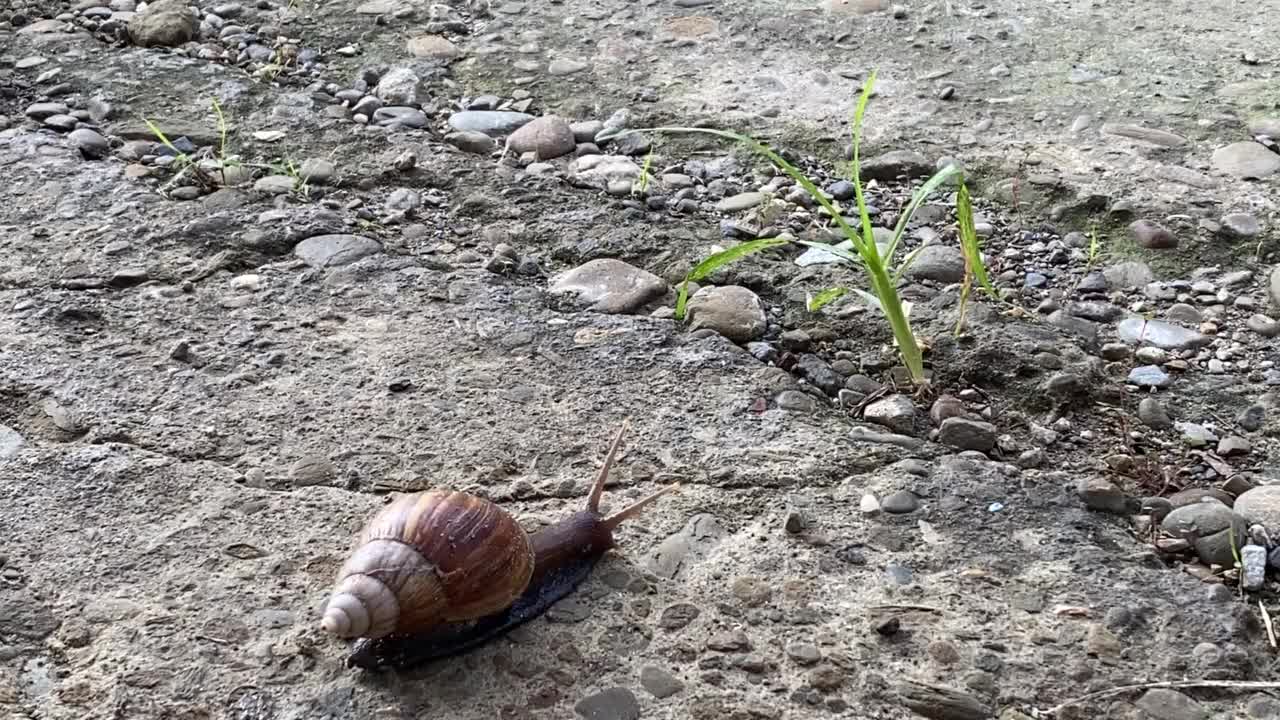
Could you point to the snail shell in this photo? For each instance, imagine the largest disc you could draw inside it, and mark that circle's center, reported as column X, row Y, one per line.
column 429, row 558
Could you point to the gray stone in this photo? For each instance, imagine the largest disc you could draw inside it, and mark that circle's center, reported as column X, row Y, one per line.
column 547, row 137
column 1261, row 505
column 1128, row 275
column 90, row 143
column 617, row 703
column 1233, row 445
column 1147, row 135
column 1263, row 325
column 489, row 122
column 740, row 202
column 1161, row 334
column 1196, row 435
column 660, row 683
column 561, row 66
column 818, row 256
column 1164, row 704
column 795, row 401
column 165, row 23
column 317, row 171
column 10, row 442
column 274, row 184
column 1086, row 329
column 1148, row 376
column 399, row 86
column 472, row 141
column 895, row 164
column 1273, row 288
column 1246, row 160
column 1102, row 494
column 586, row 131
column 1153, row 415
column 734, row 312
column 896, row 412
column 901, row 502
column 23, row 615
column 1240, row 226
column 333, row 250
column 966, row 434
column 610, row 286
column 1211, row 527
column 1152, row 235
column 940, row 263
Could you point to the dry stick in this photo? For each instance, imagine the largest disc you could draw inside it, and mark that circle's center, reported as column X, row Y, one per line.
column 1266, row 620
column 1164, row 685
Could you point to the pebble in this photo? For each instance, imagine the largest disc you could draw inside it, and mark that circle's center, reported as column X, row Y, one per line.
column 1166, row 704
column 562, row 66
column 1102, row 494
column 1264, row 325
column 165, row 23
column 610, row 286
column 1152, row 235
column 1196, row 435
column 317, row 171
column 966, row 434
column 616, row 703
column 1128, row 275
column 10, row 442
column 1273, row 287
column 896, row 412
column 733, row 311
column 489, row 122
column 472, row 141
column 795, row 401
column 1161, row 334
column 1254, row 560
column 90, row 143
column 895, row 164
column 1153, row 415
column 546, row 137
column 322, row 251
column 1240, row 226
column 740, row 202
column 940, row 263
column 660, row 683
column 1246, row 160
column 399, row 86
column 900, row 503
column 1261, row 505
column 1210, row 527
column 1148, row 376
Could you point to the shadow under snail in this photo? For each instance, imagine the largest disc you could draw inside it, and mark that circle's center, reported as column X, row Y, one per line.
column 437, row 573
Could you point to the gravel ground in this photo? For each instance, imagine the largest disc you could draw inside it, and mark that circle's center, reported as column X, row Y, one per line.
column 265, row 265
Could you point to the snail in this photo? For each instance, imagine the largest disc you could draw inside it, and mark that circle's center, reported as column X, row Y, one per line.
column 440, row 572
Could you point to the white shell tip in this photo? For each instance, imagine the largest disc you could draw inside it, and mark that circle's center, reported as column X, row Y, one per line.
column 336, row 622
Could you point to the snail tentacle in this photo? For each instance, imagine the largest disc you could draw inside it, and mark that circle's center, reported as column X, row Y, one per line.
column 597, row 488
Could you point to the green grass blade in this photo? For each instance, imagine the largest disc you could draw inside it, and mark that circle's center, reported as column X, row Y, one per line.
column 923, row 192
column 717, row 261
column 824, row 298
column 970, row 244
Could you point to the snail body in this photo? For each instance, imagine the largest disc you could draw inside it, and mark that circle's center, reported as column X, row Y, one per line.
column 439, row 572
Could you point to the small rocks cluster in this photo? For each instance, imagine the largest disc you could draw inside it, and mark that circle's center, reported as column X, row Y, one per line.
column 1214, row 527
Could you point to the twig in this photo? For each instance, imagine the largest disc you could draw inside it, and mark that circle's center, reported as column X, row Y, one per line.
column 925, row 608
column 1266, row 620
column 1167, row 685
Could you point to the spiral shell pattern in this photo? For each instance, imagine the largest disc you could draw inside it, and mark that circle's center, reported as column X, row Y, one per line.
column 429, row 558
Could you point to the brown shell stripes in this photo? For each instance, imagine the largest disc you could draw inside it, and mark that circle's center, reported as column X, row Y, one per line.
column 481, row 555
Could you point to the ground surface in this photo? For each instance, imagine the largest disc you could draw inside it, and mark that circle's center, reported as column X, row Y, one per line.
column 199, row 408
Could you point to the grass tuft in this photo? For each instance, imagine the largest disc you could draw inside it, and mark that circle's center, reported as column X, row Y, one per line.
column 882, row 277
